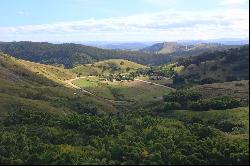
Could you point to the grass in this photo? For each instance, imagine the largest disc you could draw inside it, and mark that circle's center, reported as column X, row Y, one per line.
column 236, row 117
column 236, row 89
column 55, row 74
column 27, row 85
column 127, row 91
column 107, row 67
column 164, row 81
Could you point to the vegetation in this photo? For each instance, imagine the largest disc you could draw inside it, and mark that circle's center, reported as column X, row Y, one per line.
column 177, row 49
column 25, row 85
column 236, row 89
column 192, row 100
column 135, row 91
column 30, row 137
column 207, row 68
column 71, row 55
column 220, row 66
column 116, row 119
column 104, row 68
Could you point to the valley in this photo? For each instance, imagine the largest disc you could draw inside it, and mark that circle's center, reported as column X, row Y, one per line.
column 118, row 111
column 128, row 90
column 124, row 82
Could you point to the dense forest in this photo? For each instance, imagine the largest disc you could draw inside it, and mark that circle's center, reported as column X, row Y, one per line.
column 31, row 137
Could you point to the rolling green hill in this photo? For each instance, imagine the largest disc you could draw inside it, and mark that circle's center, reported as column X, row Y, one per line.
column 235, row 89
column 167, row 47
column 135, row 92
column 70, row 55
column 219, row 66
column 42, row 121
column 107, row 67
column 26, row 85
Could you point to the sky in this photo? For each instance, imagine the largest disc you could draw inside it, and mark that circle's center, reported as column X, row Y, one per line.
column 123, row 20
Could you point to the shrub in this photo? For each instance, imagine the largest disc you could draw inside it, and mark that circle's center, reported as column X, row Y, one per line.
column 30, row 117
column 224, row 103
column 179, row 80
column 199, row 106
column 182, row 96
column 227, row 126
column 216, row 103
column 214, row 68
column 172, row 106
column 231, row 78
column 208, row 81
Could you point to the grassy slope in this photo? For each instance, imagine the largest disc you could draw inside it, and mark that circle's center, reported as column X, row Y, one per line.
column 221, row 74
column 106, row 67
column 25, row 85
column 237, row 117
column 236, row 89
column 230, row 65
column 129, row 91
column 181, row 50
column 56, row 74
column 164, row 81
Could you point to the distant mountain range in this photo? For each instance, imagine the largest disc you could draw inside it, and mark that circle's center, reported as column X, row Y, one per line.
column 136, row 46
column 70, row 55
column 130, row 46
column 181, row 49
column 229, row 41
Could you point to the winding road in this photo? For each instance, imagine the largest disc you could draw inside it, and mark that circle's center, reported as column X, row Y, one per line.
column 70, row 83
column 151, row 83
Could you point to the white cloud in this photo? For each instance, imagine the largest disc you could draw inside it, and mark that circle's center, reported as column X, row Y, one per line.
column 161, row 2
column 167, row 25
column 21, row 12
column 233, row 3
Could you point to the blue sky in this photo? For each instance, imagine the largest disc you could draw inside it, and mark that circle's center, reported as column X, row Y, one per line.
column 123, row 20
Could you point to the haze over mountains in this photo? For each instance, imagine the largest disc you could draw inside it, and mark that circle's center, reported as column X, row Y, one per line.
column 135, row 46
column 176, row 48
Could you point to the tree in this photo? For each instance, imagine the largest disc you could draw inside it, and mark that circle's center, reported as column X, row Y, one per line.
column 122, row 63
column 127, row 69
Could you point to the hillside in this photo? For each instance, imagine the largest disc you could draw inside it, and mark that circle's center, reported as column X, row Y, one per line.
column 70, row 55
column 219, row 66
column 235, row 89
column 107, row 67
column 56, row 74
column 167, row 47
column 124, row 122
column 178, row 49
column 26, row 85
